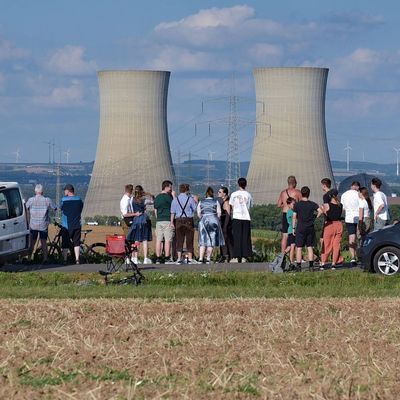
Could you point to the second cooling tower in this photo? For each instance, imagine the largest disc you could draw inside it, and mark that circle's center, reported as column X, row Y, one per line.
column 133, row 142
column 291, row 135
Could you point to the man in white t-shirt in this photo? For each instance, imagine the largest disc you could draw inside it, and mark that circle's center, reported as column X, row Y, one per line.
column 350, row 200
column 381, row 214
column 125, row 206
column 241, row 202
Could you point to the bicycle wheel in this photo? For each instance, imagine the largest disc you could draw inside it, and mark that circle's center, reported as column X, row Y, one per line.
column 96, row 253
column 54, row 253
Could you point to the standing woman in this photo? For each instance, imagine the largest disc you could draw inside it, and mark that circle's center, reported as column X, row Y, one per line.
column 141, row 225
column 210, row 232
column 333, row 231
column 226, row 224
column 365, row 222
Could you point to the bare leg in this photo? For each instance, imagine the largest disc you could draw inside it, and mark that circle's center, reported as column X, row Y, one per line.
column 179, row 253
column 284, row 242
column 159, row 249
column 209, row 252
column 201, row 253
column 292, row 253
column 76, row 251
column 310, row 252
column 43, row 243
column 145, row 248
column 167, row 249
column 298, row 254
column 352, row 246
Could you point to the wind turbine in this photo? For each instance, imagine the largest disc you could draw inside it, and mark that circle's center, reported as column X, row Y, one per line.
column 348, row 149
column 49, row 143
column 17, row 155
column 397, row 159
column 67, row 153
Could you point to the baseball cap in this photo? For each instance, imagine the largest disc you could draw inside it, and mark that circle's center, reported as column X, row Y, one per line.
column 69, row 187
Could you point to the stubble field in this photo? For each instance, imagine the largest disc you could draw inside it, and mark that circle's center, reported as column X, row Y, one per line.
column 195, row 349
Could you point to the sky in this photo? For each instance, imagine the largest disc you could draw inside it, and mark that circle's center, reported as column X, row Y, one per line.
column 50, row 52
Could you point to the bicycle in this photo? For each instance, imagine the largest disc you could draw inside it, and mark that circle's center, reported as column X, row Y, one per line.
column 135, row 278
column 93, row 253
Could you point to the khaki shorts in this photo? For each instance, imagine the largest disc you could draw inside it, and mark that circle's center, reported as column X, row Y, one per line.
column 164, row 231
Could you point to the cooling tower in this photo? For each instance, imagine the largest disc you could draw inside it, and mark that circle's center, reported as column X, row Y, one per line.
column 133, row 142
column 290, row 136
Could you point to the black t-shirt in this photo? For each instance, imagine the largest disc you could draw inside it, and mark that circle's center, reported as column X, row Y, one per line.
column 328, row 196
column 306, row 213
column 335, row 212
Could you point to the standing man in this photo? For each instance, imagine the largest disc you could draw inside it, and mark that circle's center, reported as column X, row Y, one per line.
column 326, row 184
column 294, row 193
column 241, row 202
column 350, row 201
column 182, row 210
column 39, row 208
column 381, row 214
column 125, row 206
column 304, row 214
column 164, row 225
column 71, row 207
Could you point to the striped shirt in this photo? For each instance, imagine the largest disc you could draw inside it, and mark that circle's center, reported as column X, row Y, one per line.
column 39, row 207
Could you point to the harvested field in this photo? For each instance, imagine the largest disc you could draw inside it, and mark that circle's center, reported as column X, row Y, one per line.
column 132, row 349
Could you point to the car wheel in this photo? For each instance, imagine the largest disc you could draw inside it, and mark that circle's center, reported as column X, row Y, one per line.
column 387, row 261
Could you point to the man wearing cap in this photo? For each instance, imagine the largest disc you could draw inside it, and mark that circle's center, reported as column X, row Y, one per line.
column 71, row 207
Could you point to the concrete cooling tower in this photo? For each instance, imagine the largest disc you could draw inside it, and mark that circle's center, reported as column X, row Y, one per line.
column 290, row 136
column 133, row 142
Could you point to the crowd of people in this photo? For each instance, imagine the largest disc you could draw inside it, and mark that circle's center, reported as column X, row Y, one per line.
column 224, row 222
column 361, row 216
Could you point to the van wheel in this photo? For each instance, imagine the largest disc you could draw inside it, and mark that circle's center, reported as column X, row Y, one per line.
column 387, row 261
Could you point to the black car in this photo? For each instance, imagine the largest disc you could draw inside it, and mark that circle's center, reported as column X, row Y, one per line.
column 380, row 251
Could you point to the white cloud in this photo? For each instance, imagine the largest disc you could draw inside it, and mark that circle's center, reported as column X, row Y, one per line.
column 210, row 18
column 70, row 96
column 69, row 60
column 9, row 52
column 265, row 52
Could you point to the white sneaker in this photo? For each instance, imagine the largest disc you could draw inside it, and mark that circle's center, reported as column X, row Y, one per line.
column 169, row 261
column 244, row 260
column 135, row 260
column 193, row 261
column 127, row 261
column 147, row 261
column 234, row 260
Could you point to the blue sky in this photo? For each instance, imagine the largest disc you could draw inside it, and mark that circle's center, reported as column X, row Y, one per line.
column 50, row 52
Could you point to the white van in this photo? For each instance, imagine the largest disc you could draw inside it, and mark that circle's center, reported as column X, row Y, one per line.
column 14, row 229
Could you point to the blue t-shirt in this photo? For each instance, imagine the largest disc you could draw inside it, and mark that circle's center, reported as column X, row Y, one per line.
column 289, row 219
column 71, row 207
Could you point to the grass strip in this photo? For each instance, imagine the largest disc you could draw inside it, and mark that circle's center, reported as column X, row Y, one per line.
column 206, row 284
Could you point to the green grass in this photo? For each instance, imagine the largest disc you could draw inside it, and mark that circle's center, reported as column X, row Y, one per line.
column 171, row 286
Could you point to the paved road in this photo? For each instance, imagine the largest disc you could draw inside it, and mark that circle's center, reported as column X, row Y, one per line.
column 149, row 267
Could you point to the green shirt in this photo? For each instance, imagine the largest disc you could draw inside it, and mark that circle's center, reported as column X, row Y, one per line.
column 162, row 204
column 289, row 219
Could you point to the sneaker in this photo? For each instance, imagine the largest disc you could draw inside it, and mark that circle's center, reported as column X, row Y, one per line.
column 333, row 267
column 147, row 261
column 208, row 262
column 193, row 261
column 322, row 268
column 169, row 261
column 127, row 261
column 77, row 262
column 135, row 260
column 353, row 262
column 244, row 260
column 179, row 262
column 234, row 260
column 158, row 260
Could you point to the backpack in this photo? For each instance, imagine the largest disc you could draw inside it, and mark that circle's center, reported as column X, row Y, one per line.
column 277, row 266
